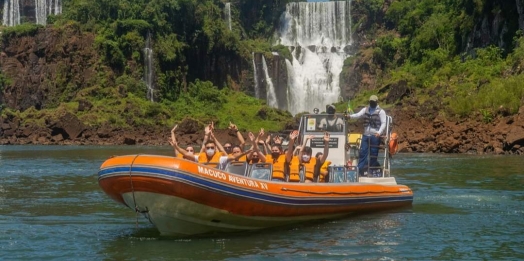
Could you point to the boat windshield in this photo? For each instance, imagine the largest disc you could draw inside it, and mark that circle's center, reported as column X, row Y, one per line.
column 332, row 123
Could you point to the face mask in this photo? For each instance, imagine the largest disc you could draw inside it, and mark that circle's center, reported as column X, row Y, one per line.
column 306, row 157
column 275, row 154
column 372, row 104
column 210, row 152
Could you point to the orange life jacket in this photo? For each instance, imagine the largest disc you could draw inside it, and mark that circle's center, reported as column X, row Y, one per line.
column 294, row 169
column 278, row 165
column 324, row 171
column 215, row 159
column 310, row 168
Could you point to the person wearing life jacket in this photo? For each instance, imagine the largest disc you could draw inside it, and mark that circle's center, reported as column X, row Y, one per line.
column 311, row 163
column 293, row 166
column 374, row 125
column 212, row 149
column 188, row 153
column 279, row 159
column 228, row 146
column 321, row 169
column 255, row 156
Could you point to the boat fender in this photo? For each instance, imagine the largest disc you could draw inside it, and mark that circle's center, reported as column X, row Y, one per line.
column 393, row 143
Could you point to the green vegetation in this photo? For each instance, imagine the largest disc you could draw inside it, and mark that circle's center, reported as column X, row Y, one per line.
column 421, row 42
column 20, row 30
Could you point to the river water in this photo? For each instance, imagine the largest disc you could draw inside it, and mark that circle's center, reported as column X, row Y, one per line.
column 465, row 208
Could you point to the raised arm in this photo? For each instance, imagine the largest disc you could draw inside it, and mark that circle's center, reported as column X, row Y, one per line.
column 292, row 136
column 239, row 135
column 326, row 147
column 219, row 146
column 173, row 139
column 174, row 144
column 207, row 134
column 254, row 147
column 308, row 137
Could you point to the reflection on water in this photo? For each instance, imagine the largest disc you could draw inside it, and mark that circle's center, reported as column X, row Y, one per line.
column 466, row 208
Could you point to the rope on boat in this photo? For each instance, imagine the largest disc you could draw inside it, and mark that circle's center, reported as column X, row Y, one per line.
column 346, row 193
column 133, row 188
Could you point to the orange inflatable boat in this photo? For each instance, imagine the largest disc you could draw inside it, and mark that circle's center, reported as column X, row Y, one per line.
column 183, row 198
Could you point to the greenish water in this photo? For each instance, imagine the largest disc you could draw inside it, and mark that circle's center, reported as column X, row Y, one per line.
column 465, row 208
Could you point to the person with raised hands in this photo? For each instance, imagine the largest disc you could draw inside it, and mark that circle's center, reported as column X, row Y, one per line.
column 211, row 150
column 187, row 153
column 255, row 156
column 228, row 146
column 309, row 162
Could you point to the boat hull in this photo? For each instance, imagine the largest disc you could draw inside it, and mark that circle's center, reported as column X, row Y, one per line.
column 183, row 198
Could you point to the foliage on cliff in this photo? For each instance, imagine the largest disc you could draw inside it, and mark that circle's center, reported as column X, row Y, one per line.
column 194, row 50
column 199, row 63
column 463, row 56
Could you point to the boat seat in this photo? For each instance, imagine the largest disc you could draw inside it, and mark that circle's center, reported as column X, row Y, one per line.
column 352, row 174
column 237, row 167
column 337, row 174
column 261, row 171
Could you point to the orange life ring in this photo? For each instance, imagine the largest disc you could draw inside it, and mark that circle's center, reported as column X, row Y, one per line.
column 393, row 143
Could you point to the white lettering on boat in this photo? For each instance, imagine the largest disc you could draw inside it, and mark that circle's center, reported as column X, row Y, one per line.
column 232, row 178
column 246, row 182
column 212, row 172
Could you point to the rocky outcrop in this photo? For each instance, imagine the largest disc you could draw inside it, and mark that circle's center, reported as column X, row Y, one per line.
column 47, row 68
column 503, row 135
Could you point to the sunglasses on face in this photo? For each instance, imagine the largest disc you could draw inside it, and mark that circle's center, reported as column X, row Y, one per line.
column 210, row 148
column 227, row 147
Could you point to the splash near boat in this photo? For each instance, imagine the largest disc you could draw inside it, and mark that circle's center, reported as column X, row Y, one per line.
column 183, row 197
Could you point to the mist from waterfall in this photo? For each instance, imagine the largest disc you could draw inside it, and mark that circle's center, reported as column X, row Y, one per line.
column 11, row 13
column 318, row 35
column 227, row 12
column 148, row 69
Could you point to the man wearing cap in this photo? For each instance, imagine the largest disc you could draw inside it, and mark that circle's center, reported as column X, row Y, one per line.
column 332, row 122
column 374, row 126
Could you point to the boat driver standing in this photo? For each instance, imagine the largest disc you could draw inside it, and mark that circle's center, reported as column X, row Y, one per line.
column 374, row 125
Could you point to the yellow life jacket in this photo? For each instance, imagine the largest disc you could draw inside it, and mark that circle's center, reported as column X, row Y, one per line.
column 310, row 168
column 215, row 159
column 294, row 169
column 324, row 171
column 278, row 165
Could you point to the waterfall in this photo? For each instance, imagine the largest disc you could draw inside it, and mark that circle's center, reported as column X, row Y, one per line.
column 43, row 8
column 11, row 15
column 271, row 94
column 318, row 35
column 257, row 85
column 148, row 69
column 227, row 13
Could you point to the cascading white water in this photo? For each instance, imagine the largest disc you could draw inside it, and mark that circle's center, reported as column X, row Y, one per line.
column 148, row 69
column 257, row 85
column 227, row 12
column 318, row 34
column 11, row 15
column 271, row 94
column 43, row 8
